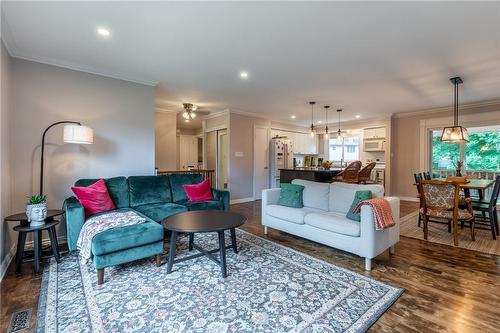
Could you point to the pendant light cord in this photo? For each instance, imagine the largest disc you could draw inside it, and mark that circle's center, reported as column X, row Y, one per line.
column 455, row 121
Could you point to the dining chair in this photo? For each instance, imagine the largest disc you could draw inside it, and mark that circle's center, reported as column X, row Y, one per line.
column 427, row 175
column 490, row 207
column 418, row 179
column 365, row 173
column 440, row 200
column 350, row 173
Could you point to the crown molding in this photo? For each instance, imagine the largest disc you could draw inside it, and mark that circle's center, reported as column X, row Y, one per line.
column 224, row 112
column 74, row 67
column 463, row 107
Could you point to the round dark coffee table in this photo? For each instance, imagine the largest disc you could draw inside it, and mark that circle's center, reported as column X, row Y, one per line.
column 203, row 221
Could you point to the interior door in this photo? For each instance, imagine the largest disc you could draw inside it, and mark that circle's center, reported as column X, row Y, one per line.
column 260, row 161
column 222, row 159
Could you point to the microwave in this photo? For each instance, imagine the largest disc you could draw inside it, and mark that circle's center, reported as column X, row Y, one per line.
column 374, row 145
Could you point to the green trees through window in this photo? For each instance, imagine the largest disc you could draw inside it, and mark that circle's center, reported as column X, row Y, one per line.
column 481, row 153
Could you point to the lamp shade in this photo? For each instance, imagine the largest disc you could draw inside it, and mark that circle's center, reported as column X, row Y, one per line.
column 455, row 134
column 78, row 134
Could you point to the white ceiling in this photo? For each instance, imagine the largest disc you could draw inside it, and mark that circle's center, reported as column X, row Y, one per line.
column 371, row 59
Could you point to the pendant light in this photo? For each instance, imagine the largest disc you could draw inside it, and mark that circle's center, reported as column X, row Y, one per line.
column 339, row 132
column 455, row 133
column 326, row 121
column 312, row 117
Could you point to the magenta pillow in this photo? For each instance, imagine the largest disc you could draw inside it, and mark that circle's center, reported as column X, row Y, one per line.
column 94, row 198
column 199, row 192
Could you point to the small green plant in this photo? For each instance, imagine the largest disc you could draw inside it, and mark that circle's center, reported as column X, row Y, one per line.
column 37, row 199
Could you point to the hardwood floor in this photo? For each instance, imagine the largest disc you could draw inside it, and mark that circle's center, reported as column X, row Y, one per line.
column 447, row 289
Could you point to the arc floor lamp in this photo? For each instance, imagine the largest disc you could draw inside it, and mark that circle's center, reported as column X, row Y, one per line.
column 74, row 132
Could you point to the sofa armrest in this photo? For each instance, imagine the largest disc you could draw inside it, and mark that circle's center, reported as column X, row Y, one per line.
column 75, row 218
column 376, row 241
column 222, row 196
column 270, row 196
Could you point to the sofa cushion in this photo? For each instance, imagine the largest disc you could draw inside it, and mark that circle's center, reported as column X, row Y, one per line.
column 315, row 194
column 334, row 222
column 149, row 190
column 94, row 198
column 159, row 211
column 178, row 179
column 118, row 239
column 341, row 195
column 203, row 205
column 358, row 197
column 291, row 195
column 117, row 188
column 294, row 215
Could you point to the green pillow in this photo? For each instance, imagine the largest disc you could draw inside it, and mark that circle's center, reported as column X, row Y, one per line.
column 291, row 195
column 358, row 197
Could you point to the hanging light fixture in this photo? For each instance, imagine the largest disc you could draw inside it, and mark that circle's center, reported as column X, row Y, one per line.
column 189, row 112
column 339, row 132
column 455, row 133
column 326, row 121
column 312, row 117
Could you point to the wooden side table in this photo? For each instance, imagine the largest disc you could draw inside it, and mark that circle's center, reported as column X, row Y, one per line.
column 24, row 228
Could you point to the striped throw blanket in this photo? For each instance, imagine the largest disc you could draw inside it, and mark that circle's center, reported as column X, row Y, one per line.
column 381, row 210
column 101, row 223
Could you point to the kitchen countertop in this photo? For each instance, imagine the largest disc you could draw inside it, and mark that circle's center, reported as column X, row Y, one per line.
column 313, row 169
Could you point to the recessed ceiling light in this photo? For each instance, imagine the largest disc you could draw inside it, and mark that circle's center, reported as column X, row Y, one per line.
column 319, row 121
column 358, row 116
column 293, row 116
column 243, row 75
column 103, row 32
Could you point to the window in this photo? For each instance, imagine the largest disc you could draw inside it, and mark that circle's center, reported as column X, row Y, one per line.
column 344, row 149
column 481, row 153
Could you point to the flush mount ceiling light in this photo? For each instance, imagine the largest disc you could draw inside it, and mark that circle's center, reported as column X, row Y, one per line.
column 312, row 117
column 293, row 116
column 244, row 75
column 326, row 121
column 103, row 32
column 455, row 133
column 189, row 111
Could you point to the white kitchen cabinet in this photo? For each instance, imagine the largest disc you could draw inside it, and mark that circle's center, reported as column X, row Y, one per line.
column 374, row 133
column 303, row 143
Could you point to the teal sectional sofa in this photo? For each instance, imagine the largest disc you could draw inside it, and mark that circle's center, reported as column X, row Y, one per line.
column 154, row 198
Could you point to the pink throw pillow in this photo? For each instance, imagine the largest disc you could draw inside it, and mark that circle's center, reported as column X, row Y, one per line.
column 94, row 198
column 199, row 192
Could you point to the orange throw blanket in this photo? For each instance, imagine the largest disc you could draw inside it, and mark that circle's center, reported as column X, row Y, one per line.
column 381, row 210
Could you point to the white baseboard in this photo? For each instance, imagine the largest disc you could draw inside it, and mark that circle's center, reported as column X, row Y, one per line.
column 414, row 199
column 242, row 200
column 6, row 261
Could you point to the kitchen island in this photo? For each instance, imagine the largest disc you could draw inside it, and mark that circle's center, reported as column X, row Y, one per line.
column 315, row 174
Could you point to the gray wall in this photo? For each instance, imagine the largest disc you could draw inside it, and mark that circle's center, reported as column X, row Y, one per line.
column 7, row 235
column 121, row 114
column 241, row 167
column 165, row 141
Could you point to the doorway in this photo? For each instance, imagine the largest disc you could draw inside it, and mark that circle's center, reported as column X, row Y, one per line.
column 222, row 159
column 260, row 161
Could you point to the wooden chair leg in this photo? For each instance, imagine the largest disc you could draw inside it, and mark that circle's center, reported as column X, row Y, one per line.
column 472, row 229
column 455, row 232
column 158, row 260
column 425, row 222
column 492, row 219
column 419, row 220
column 100, row 276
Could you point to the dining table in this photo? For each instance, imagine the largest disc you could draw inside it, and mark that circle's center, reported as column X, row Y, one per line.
column 481, row 185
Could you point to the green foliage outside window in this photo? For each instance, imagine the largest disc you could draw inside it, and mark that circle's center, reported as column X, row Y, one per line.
column 482, row 152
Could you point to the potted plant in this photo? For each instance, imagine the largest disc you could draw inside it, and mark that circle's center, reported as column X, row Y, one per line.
column 36, row 210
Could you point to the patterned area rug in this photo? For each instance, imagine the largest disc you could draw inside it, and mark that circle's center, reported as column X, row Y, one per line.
column 438, row 233
column 269, row 288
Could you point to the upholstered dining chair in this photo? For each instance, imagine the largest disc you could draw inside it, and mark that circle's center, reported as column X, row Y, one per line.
column 365, row 173
column 418, row 178
column 440, row 200
column 350, row 173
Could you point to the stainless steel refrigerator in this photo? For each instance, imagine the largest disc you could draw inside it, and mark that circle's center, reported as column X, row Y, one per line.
column 281, row 157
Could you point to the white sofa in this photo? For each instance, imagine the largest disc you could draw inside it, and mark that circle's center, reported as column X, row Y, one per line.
column 323, row 218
